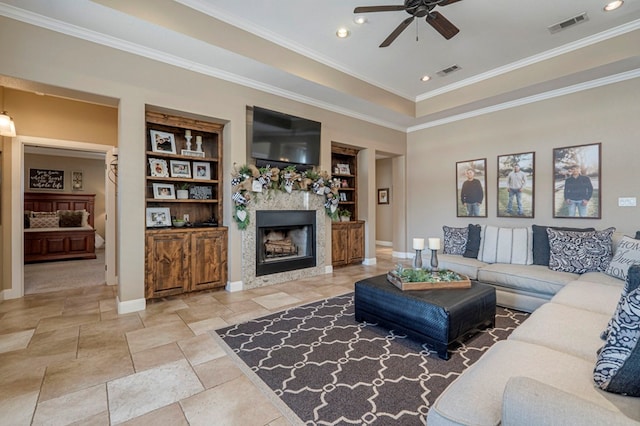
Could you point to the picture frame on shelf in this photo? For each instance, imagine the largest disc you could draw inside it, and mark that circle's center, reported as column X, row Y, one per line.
column 383, row 196
column 164, row 191
column 201, row 170
column 158, row 167
column 158, row 217
column 516, row 184
column 343, row 169
column 576, row 174
column 180, row 169
column 163, row 142
column 191, row 153
column 198, row 192
column 471, row 188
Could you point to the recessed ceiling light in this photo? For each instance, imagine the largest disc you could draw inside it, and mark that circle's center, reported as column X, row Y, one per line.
column 360, row 19
column 425, row 78
column 343, row 33
column 613, row 5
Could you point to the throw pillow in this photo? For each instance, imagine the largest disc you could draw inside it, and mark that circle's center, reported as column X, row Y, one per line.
column 541, row 242
column 43, row 214
column 473, row 242
column 618, row 366
column 627, row 254
column 506, row 245
column 637, row 235
column 579, row 252
column 27, row 216
column 44, row 222
column 455, row 240
column 70, row 219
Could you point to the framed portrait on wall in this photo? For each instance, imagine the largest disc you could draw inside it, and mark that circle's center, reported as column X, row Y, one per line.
column 576, row 182
column 383, row 196
column 471, row 187
column 516, row 185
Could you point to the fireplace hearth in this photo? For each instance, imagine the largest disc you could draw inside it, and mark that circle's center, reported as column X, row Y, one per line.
column 285, row 240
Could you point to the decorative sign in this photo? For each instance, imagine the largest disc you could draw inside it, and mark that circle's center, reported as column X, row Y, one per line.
column 46, row 179
column 200, row 193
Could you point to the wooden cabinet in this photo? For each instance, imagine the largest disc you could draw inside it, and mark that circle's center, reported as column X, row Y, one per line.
column 344, row 166
column 180, row 261
column 347, row 242
column 183, row 154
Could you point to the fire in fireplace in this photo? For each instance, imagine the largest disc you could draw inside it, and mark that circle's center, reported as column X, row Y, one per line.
column 285, row 240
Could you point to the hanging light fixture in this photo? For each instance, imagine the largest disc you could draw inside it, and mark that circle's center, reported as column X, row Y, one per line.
column 7, row 126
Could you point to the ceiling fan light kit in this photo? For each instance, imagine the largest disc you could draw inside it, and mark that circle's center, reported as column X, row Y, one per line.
column 417, row 9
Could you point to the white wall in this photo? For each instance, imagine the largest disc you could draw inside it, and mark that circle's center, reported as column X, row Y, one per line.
column 384, row 179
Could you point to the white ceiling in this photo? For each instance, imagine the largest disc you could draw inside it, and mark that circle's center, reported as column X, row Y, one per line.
column 354, row 76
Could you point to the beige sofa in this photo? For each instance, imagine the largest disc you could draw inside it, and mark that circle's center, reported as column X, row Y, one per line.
column 543, row 373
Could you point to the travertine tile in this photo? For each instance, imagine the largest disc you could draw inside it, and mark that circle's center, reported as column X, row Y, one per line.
column 204, row 326
column 154, row 357
column 276, row 300
column 54, row 323
column 218, row 371
column 14, row 341
column 238, row 401
column 72, row 407
column 149, row 390
column 158, row 335
column 202, row 312
column 200, row 349
column 171, row 415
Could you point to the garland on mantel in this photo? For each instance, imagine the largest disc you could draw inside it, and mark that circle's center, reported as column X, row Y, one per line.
column 249, row 181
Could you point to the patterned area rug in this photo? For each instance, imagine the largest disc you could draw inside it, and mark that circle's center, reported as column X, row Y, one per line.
column 331, row 370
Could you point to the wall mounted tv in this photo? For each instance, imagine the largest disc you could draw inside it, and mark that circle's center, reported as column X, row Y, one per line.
column 281, row 139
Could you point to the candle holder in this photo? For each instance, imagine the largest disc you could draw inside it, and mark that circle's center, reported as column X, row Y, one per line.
column 417, row 261
column 434, row 260
column 199, row 143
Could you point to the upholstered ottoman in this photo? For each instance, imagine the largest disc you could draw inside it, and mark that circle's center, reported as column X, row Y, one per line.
column 436, row 317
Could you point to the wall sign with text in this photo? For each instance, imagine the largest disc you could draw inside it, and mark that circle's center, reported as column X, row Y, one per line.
column 46, row 179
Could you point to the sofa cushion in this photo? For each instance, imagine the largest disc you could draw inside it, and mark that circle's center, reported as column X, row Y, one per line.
column 455, row 240
column 541, row 248
column 618, row 366
column 531, row 278
column 461, row 265
column 590, row 296
column 579, row 252
column 506, row 245
column 626, row 254
column 476, row 396
column 473, row 242
column 565, row 329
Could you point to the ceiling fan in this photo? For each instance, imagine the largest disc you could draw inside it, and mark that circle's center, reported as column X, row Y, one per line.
column 417, row 9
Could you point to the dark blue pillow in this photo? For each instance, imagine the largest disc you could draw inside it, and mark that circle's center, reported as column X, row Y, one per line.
column 473, row 242
column 637, row 235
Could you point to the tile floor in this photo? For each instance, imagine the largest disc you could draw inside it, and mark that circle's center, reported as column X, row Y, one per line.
column 68, row 358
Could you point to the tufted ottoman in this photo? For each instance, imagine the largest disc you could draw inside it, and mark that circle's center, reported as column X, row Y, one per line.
column 436, row 317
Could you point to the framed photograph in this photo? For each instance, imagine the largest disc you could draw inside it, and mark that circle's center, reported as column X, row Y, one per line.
column 383, row 196
column 158, row 167
column 164, row 191
column 158, row 217
column 190, row 153
column 163, row 142
column 471, row 187
column 516, row 185
column 77, row 182
column 201, row 170
column 343, row 169
column 576, row 182
column 181, row 169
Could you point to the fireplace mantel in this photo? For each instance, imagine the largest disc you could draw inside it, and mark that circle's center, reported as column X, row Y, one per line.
column 278, row 200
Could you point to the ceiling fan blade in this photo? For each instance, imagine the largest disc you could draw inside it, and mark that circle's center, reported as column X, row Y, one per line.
column 446, row 2
column 442, row 25
column 367, row 9
column 400, row 28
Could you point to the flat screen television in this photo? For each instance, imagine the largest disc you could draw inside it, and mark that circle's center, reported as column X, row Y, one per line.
column 281, row 139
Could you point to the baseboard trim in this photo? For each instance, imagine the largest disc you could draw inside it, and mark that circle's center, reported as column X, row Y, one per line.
column 9, row 294
column 130, row 306
column 233, row 286
column 402, row 255
column 328, row 269
column 370, row 261
column 384, row 243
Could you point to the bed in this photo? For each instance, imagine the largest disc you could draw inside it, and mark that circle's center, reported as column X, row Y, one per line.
column 46, row 239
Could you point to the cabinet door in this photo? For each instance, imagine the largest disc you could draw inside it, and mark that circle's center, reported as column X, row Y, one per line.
column 356, row 242
column 167, row 264
column 339, row 245
column 209, row 259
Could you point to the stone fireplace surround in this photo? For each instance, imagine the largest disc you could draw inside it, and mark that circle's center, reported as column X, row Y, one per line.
column 279, row 200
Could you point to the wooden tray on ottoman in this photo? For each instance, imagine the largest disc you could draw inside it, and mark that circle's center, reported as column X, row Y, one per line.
column 393, row 278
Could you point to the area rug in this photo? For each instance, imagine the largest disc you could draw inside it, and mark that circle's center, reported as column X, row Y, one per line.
column 329, row 369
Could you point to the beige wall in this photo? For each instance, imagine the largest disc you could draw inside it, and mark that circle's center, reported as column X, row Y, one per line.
column 92, row 174
column 384, row 179
column 608, row 115
column 50, row 58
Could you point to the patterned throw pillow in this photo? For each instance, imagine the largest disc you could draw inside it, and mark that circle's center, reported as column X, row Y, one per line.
column 541, row 247
column 618, row 366
column 627, row 254
column 455, row 240
column 579, row 252
column 43, row 214
column 44, row 222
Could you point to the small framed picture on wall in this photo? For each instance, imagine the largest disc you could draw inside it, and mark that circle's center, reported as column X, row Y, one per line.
column 471, row 186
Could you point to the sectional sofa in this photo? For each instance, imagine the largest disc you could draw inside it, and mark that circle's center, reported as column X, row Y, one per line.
column 543, row 374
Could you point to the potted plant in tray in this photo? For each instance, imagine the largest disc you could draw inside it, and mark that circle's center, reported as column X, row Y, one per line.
column 182, row 191
column 345, row 215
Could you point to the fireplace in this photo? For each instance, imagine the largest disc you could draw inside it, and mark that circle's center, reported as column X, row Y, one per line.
column 285, row 240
